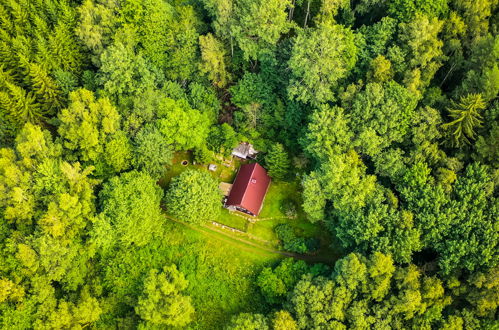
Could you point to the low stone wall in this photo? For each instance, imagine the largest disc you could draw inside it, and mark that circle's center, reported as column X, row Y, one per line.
column 217, row 224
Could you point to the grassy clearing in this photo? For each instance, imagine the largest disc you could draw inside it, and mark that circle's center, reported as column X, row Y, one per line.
column 272, row 212
column 221, row 274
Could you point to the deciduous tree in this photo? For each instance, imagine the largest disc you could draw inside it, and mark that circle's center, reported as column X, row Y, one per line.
column 130, row 205
column 162, row 301
column 319, row 59
column 193, row 196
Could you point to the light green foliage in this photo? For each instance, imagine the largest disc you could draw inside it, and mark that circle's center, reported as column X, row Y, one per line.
column 182, row 127
column 247, row 321
column 420, row 40
column 162, row 302
column 476, row 15
column 86, row 124
column 151, row 152
column 124, row 73
column 52, row 201
column 194, row 197
column 466, row 118
column 89, row 128
column 214, row 60
column 282, row 320
column 319, row 59
column 277, row 162
column 259, row 24
column 328, row 132
column 483, row 290
column 131, row 213
column 351, row 297
column 9, row 291
column 405, row 10
column 330, row 8
column 314, row 198
column 98, row 19
column 381, row 70
column 67, row 314
column 381, row 115
column 364, row 98
column 344, row 181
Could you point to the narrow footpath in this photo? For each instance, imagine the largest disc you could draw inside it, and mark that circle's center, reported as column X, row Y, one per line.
column 251, row 246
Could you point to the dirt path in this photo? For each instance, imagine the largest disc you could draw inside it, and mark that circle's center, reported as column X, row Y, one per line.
column 249, row 245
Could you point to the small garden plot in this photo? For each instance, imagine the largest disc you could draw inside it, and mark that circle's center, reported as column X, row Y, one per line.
column 222, row 172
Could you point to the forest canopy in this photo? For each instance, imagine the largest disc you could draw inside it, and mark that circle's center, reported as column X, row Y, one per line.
column 379, row 118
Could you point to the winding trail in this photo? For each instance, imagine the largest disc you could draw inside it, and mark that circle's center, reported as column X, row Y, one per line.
column 250, row 246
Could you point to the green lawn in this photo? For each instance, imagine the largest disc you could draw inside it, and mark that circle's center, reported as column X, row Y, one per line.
column 232, row 220
column 272, row 213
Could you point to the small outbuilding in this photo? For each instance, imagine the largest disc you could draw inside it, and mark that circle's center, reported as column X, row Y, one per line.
column 244, row 150
column 249, row 189
column 212, row 167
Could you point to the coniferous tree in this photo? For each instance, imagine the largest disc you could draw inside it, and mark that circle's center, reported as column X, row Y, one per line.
column 466, row 118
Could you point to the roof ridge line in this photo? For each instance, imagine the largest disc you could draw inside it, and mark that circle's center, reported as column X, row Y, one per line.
column 248, row 183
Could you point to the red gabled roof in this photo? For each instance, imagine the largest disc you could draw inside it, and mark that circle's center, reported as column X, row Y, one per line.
column 249, row 188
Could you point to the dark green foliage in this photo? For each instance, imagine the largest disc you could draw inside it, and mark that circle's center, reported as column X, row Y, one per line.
column 202, row 155
column 222, row 139
column 277, row 162
column 36, row 41
column 275, row 283
column 291, row 242
column 205, row 100
column 151, row 152
column 469, row 210
column 194, row 197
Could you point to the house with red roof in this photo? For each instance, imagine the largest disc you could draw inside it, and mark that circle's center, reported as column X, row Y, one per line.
column 249, row 189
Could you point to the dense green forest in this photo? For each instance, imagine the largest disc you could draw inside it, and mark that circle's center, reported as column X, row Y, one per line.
column 378, row 121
